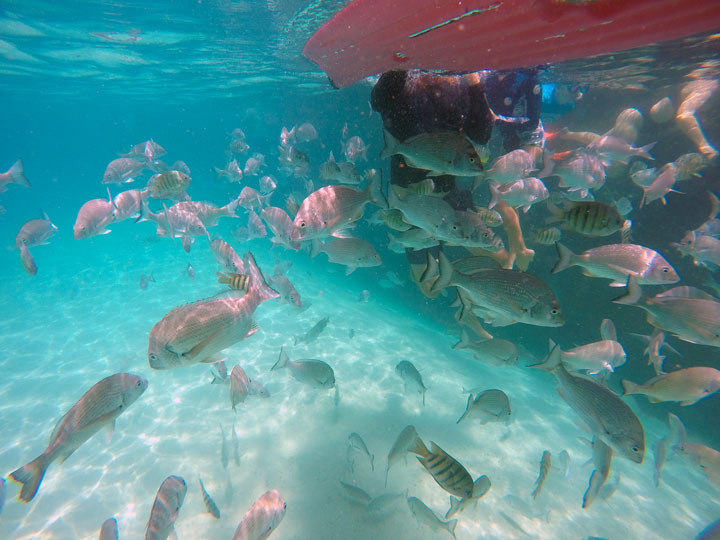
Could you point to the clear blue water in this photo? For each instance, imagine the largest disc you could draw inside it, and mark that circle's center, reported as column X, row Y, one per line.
column 81, row 85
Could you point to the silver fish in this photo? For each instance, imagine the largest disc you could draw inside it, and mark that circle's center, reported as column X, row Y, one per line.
column 411, row 377
column 496, row 352
column 661, row 185
column 96, row 409
column 594, row 357
column 314, row 332
column 406, row 440
column 192, row 333
column 428, row 518
column 488, row 406
column 617, row 149
column 355, row 493
column 581, row 172
column 210, row 505
column 564, row 460
column 351, row 252
column 618, row 262
column 35, row 232
column 27, row 260
column 688, row 385
column 92, row 219
column 165, row 509
column 689, row 313
column 602, row 459
column 263, row 517
column 239, row 383
column 545, row 465
column 226, row 256
column 286, row 289
column 128, row 203
column 604, row 413
column 659, row 453
column 480, row 487
column 445, row 469
column 109, row 530
column 256, row 388
column 231, row 173
column 411, row 239
column 224, row 452
column 504, row 296
column 356, row 441
column 315, row 373
column 523, row 192
column 511, row 166
column 122, row 170
column 706, row 459
column 280, row 225
column 385, row 505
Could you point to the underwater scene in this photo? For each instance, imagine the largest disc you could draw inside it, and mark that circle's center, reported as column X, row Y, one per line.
column 243, row 298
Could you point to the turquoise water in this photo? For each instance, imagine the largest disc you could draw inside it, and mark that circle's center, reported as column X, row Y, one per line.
column 82, row 85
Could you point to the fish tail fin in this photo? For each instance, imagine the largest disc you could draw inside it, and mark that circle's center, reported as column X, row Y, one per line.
column 223, row 278
column 30, row 476
column 418, row 447
column 315, row 248
column 431, row 268
column 644, row 151
column 454, row 503
column 258, row 285
column 557, row 213
column 634, row 294
column 565, row 258
column 552, row 360
column 464, row 342
column 446, row 273
column 231, row 207
column 391, row 144
column 642, row 200
column 714, row 205
column 629, row 387
column 282, row 360
column 451, row 527
column 494, row 193
column 17, row 173
column 152, row 278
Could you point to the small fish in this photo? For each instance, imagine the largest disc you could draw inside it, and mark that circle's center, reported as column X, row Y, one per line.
column 219, row 373
column 703, row 457
column 606, row 414
column 393, row 218
column 122, row 170
column 305, row 132
column 226, row 256
column 92, row 219
column 15, row 175
column 262, row 519
column 581, row 173
column 253, row 165
column 659, row 453
column 35, row 232
column 280, row 225
column 231, row 173
column 480, row 488
column 190, row 271
column 488, row 406
column 147, row 150
column 170, row 185
column 164, row 513
column 496, row 352
column 351, row 252
column 109, row 530
column 224, row 451
column 385, row 505
column 661, row 185
column 210, row 505
column 445, row 469
column 256, row 388
column 511, row 166
column 411, row 377
column 98, row 408
column 602, row 460
column 355, row 148
column 238, row 386
column 490, row 217
column 406, row 440
column 644, row 177
column 314, row 332
column 440, row 152
column 616, row 149
column 607, row 330
column 128, row 203
column 689, row 165
column 545, row 465
column 343, row 172
column 145, row 279
column 255, row 229
column 414, row 239
column 687, row 386
column 523, row 192
column 293, row 161
column 547, row 237
column 267, row 184
column 564, row 460
column 357, row 442
column 592, row 358
column 315, row 373
column 588, row 218
column 236, row 282
column 27, row 260
column 355, row 494
column 618, row 262
column 428, row 518
column 236, row 447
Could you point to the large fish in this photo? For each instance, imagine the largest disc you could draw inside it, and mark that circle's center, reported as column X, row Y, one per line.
column 165, row 508
column 618, row 262
column 603, row 412
column 169, row 185
column 122, row 170
column 96, row 409
column 688, row 385
column 263, row 517
column 194, row 332
column 315, row 373
column 445, row 469
column 689, row 313
column 504, row 297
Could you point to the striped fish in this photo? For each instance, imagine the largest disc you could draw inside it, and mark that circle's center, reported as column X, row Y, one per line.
column 165, row 509
column 393, row 218
column 547, row 237
column 210, row 505
column 491, row 218
column 545, row 464
column 168, row 184
column 589, row 218
column 236, row 282
column 239, row 386
column 445, row 469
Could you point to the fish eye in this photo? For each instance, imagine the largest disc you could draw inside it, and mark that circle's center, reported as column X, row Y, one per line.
column 665, row 270
column 153, row 356
column 454, row 227
column 139, row 384
column 554, row 311
column 302, row 224
column 472, row 159
column 635, row 449
column 486, row 235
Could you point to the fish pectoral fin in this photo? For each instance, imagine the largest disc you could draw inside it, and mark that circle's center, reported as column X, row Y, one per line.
column 689, row 402
column 109, row 431
column 212, row 359
column 199, row 347
column 252, row 329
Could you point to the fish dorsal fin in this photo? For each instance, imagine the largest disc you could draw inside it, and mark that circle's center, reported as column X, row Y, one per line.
column 687, row 292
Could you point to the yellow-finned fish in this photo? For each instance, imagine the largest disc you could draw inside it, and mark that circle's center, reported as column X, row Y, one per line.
column 96, row 409
column 236, row 282
column 445, row 469
column 545, row 464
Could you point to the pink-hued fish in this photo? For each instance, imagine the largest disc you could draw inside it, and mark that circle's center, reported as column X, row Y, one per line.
column 226, row 256
column 35, row 232
column 96, row 409
column 128, row 203
column 194, row 332
column 263, row 517
column 239, row 386
column 165, row 509
column 122, row 170
column 92, row 219
column 16, row 175
column 280, row 225
column 27, row 260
